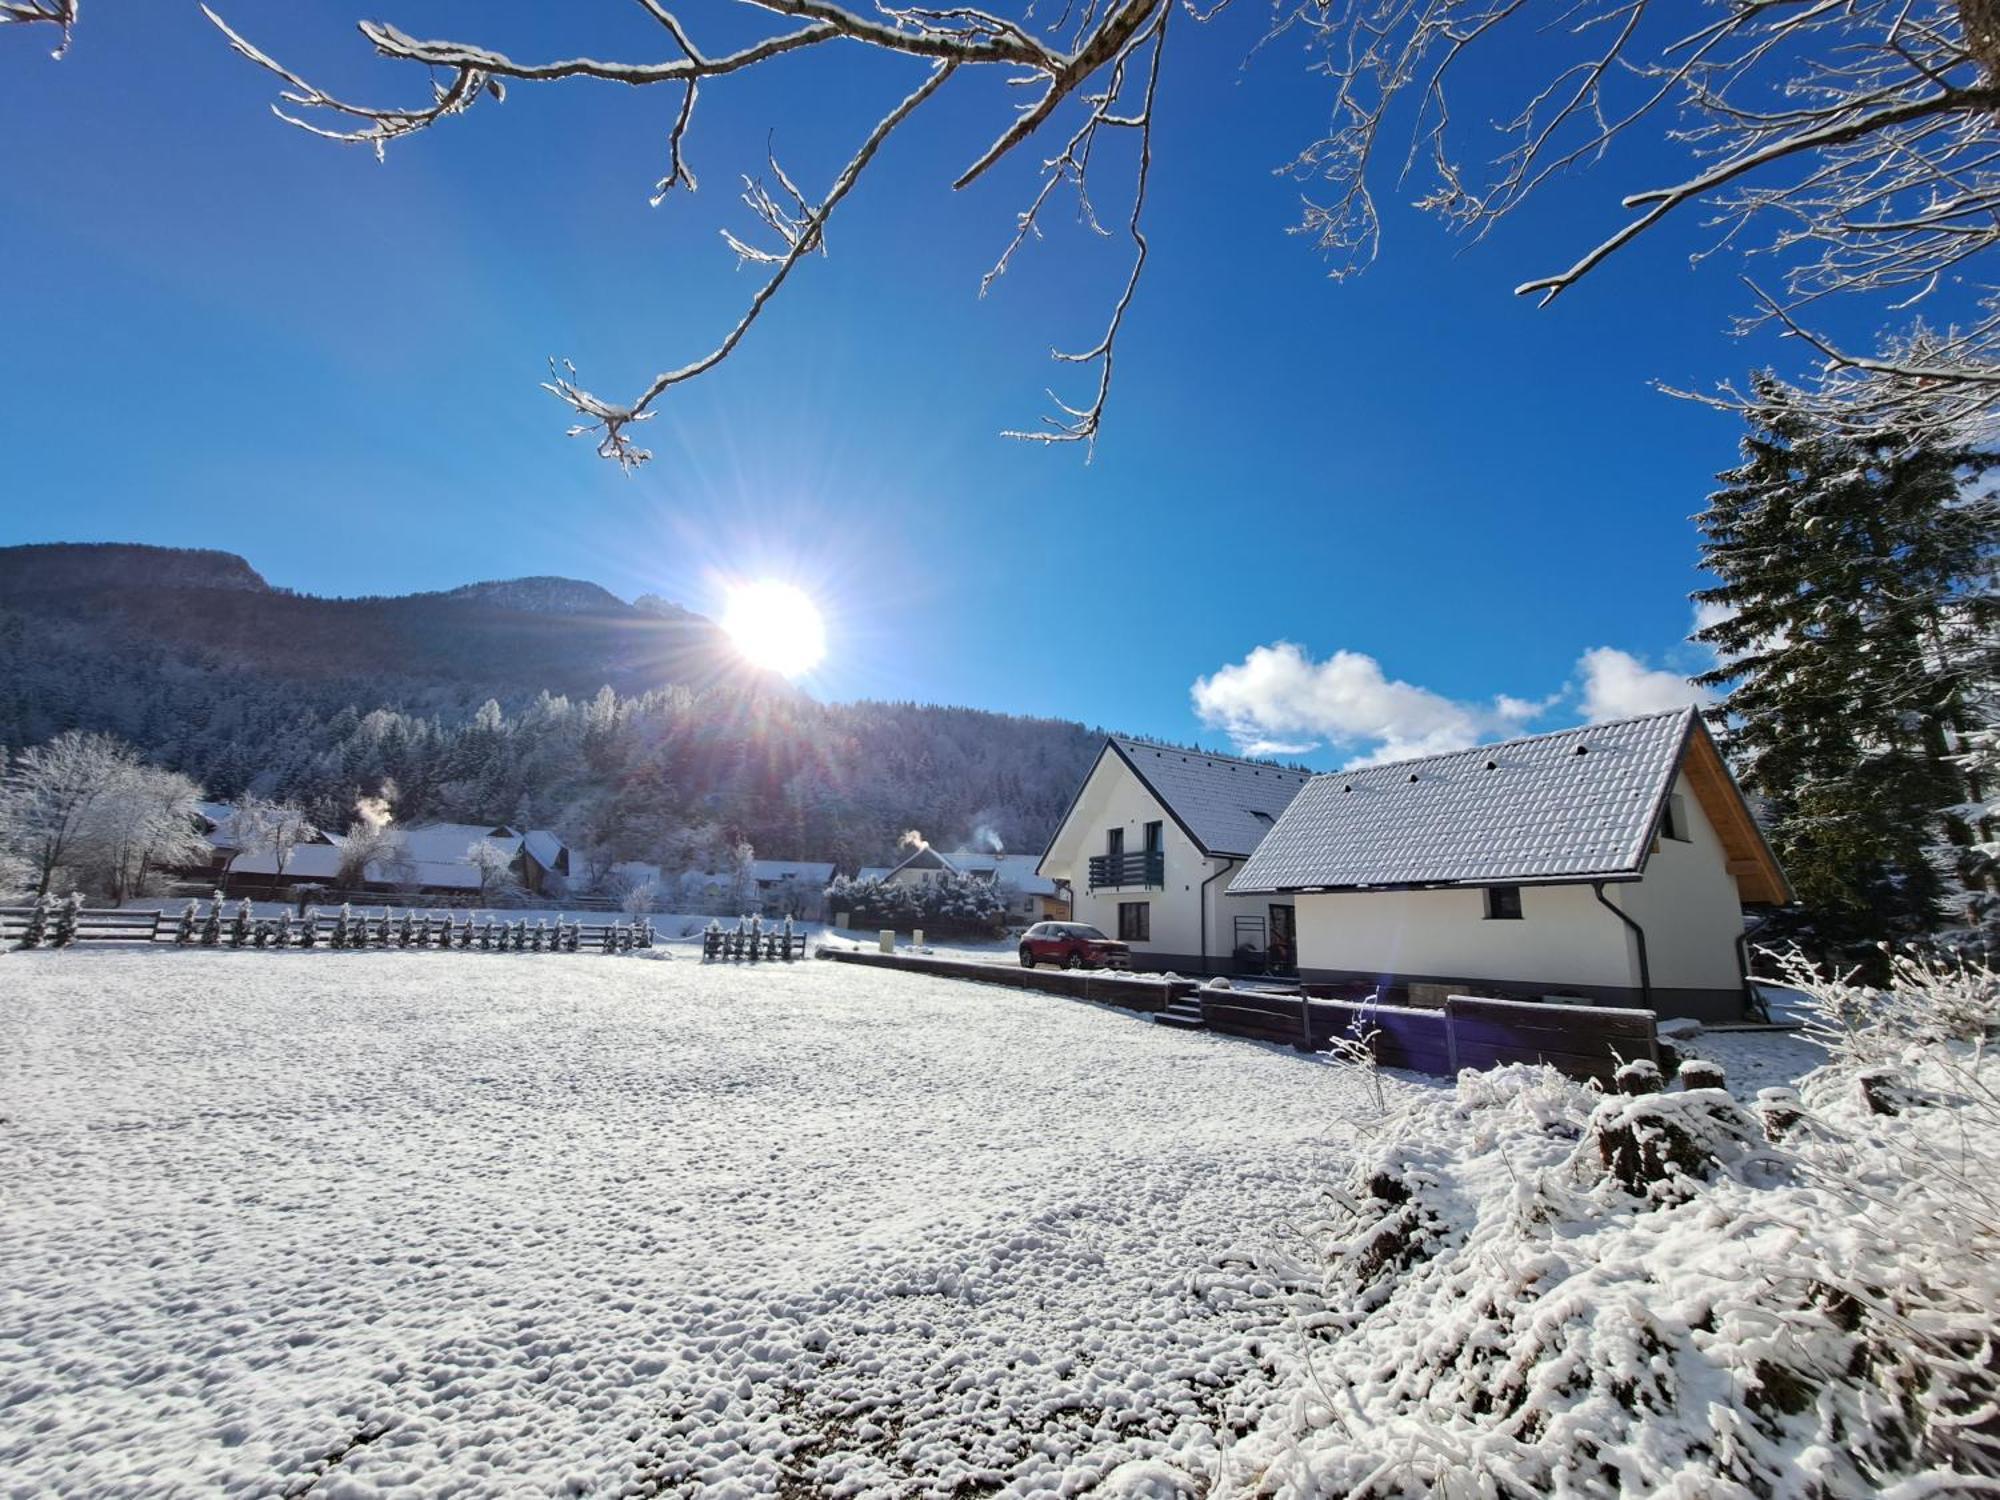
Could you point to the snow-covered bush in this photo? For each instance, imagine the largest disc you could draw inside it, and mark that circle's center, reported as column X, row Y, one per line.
column 309, row 928
column 1527, row 1287
column 240, row 923
column 37, row 931
column 184, row 925
column 62, row 931
column 211, row 925
column 948, row 904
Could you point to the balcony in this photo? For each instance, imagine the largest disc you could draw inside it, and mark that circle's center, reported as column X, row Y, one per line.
column 1115, row 871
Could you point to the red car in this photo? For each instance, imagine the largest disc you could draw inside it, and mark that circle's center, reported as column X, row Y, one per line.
column 1074, row 945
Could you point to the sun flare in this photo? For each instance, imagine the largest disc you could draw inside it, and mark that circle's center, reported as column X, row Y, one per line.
column 775, row 626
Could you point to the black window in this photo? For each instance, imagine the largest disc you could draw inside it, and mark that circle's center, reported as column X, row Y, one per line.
column 1155, row 834
column 1114, row 842
column 1503, row 903
column 1674, row 823
column 1135, row 921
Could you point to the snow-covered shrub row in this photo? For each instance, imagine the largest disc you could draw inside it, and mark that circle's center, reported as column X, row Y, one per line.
column 946, row 905
column 1527, row 1288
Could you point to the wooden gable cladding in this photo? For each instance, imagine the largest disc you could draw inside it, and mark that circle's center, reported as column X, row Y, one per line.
column 1759, row 879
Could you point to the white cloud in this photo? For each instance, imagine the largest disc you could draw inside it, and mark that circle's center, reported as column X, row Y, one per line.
column 1278, row 700
column 1709, row 612
column 1617, row 685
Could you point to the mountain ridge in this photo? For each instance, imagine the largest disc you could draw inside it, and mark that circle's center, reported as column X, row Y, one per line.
column 629, row 727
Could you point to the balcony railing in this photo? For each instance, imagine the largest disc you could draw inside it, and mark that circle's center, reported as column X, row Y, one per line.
column 1146, row 868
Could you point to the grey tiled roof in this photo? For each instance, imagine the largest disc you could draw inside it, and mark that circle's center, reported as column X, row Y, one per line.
column 1217, row 798
column 1529, row 809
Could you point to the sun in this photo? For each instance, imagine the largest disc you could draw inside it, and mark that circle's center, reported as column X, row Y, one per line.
column 775, row 626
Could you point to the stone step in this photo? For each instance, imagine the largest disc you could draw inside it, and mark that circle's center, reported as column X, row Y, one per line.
column 1180, row 1020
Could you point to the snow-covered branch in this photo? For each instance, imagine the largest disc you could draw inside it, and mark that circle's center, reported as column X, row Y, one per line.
column 60, row 14
column 1853, row 143
column 1099, row 47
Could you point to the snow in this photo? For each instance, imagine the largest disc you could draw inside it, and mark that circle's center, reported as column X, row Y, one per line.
column 442, row 1224
column 489, row 1224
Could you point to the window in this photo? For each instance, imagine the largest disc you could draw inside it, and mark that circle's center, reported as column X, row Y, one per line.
column 1674, row 824
column 1503, row 903
column 1114, row 843
column 1155, row 835
column 1135, row 921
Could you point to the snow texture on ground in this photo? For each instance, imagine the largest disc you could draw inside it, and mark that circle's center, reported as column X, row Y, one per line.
column 416, row 1223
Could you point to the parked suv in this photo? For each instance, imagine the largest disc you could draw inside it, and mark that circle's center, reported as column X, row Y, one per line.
column 1074, row 945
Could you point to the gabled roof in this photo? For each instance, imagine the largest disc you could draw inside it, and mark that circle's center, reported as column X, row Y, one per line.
column 1576, row 805
column 1017, row 870
column 547, row 849
column 924, row 857
column 1225, row 805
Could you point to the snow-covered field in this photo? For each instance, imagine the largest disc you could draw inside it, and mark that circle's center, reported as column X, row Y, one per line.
column 412, row 1224
column 423, row 1224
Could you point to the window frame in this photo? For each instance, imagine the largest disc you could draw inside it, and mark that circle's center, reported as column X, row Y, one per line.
column 1499, row 898
column 1135, row 914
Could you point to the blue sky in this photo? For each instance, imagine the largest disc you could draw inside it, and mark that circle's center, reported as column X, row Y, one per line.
column 238, row 336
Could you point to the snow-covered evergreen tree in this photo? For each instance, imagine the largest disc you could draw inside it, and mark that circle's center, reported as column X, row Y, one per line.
column 1847, row 620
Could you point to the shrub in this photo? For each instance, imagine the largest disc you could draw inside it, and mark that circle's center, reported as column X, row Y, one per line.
column 946, row 905
column 1534, row 1288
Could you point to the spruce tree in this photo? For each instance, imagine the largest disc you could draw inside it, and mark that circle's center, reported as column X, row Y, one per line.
column 1849, row 586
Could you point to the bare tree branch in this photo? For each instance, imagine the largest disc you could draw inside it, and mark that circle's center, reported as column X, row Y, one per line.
column 60, row 14
column 1853, row 142
column 949, row 36
column 801, row 227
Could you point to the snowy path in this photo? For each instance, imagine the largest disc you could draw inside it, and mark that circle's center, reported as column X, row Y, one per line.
column 430, row 1224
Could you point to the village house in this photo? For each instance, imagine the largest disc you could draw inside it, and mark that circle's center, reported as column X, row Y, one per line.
column 1147, row 847
column 1609, row 864
column 1030, row 895
column 432, row 859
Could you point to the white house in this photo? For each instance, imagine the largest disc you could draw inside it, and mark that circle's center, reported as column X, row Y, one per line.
column 1611, row 862
column 1148, row 846
column 1031, row 896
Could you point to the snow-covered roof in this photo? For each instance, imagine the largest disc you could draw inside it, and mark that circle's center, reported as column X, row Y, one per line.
column 924, row 857
column 872, row 872
column 802, row 870
column 1017, row 870
column 546, row 847
column 216, row 814
column 1571, row 805
column 1227, row 806
column 307, row 862
column 446, row 843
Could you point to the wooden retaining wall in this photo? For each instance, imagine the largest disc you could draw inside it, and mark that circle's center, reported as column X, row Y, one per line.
column 1132, row 991
column 1584, row 1041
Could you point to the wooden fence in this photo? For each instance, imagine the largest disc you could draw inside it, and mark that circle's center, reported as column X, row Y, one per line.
column 1584, row 1041
column 229, row 927
column 753, row 945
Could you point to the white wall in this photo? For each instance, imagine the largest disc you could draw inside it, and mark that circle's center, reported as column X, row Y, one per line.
column 1563, row 938
column 1113, row 797
column 1689, row 905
